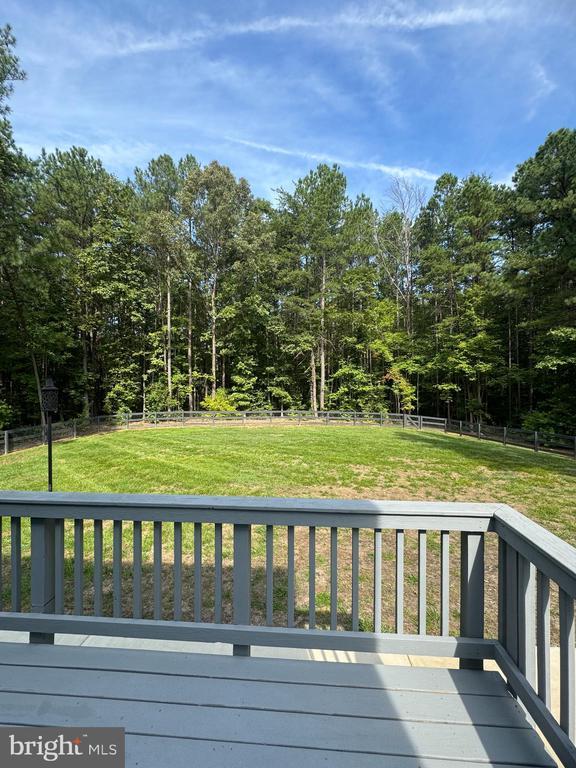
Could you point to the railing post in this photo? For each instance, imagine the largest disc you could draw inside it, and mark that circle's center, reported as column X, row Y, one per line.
column 242, row 578
column 460, row 427
column 403, row 420
column 6, row 439
column 505, row 437
column 472, row 591
column 74, row 430
column 381, row 418
column 42, row 572
column 419, row 422
column 527, row 619
column 536, row 441
column 479, row 432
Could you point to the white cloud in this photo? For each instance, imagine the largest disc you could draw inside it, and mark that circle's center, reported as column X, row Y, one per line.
column 123, row 40
column 543, row 86
column 320, row 157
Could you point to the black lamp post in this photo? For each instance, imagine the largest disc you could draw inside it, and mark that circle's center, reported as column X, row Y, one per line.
column 49, row 403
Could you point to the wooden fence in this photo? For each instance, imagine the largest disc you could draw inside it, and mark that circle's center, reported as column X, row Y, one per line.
column 26, row 437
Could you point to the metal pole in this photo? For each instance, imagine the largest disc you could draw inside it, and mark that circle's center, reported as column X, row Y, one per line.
column 49, row 437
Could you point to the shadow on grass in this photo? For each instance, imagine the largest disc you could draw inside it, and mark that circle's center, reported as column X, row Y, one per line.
column 491, row 454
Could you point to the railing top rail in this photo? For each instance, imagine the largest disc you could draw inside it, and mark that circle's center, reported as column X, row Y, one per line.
column 549, row 553
column 248, row 509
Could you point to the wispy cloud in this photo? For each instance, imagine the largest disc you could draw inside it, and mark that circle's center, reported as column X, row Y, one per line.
column 543, row 86
column 123, row 40
column 320, row 157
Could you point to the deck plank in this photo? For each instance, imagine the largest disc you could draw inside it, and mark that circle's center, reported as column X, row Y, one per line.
column 218, row 710
column 150, row 752
column 283, row 729
column 338, row 674
column 287, row 697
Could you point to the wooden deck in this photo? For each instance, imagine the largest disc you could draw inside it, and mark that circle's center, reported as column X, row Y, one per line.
column 213, row 711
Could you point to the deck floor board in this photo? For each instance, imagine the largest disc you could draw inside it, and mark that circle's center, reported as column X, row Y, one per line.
column 212, row 710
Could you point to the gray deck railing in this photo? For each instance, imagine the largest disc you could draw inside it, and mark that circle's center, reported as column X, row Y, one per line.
column 128, row 541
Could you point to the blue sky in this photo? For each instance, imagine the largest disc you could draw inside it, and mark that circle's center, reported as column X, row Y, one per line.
column 271, row 88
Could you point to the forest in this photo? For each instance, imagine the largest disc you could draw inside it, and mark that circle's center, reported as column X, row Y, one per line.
column 179, row 288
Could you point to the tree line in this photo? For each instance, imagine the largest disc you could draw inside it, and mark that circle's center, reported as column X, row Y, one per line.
column 179, row 288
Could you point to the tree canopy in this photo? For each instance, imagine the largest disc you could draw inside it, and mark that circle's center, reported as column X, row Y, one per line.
column 179, row 288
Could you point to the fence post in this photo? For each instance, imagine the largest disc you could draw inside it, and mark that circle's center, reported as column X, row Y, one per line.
column 460, row 427
column 536, row 441
column 479, row 431
column 419, row 422
column 445, row 425
column 403, row 420
column 505, row 437
column 241, row 581
column 7, row 438
column 74, row 431
column 380, row 418
column 42, row 573
column 575, row 447
column 127, row 417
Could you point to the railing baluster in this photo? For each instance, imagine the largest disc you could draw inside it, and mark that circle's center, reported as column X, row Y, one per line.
column 59, row 566
column 197, row 571
column 512, row 602
column 377, row 580
column 312, row 577
column 445, row 583
column 1, row 558
column 79, row 567
column 177, row 571
column 218, row 573
column 117, row 568
column 472, row 591
column 567, row 677
column 543, row 637
column 242, row 580
column 355, row 577
column 269, row 575
column 157, row 569
column 16, row 562
column 502, row 607
column 137, row 569
column 399, row 581
column 421, row 582
column 526, row 619
column 290, row 595
column 333, row 578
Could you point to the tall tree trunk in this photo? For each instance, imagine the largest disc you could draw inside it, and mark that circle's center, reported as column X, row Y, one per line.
column 313, row 395
column 213, row 332
column 169, row 332
column 190, row 362
column 85, row 372
column 24, row 327
column 322, row 335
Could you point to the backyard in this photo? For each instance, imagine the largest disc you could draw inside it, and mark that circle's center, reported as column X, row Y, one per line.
column 336, row 462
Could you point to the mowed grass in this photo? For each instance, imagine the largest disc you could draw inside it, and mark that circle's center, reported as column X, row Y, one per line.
column 313, row 461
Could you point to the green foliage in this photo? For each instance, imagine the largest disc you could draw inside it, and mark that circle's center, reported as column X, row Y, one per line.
column 6, row 414
column 179, row 284
column 219, row 401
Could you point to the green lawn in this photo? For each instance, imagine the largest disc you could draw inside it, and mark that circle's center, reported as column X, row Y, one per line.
column 333, row 461
column 328, row 461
